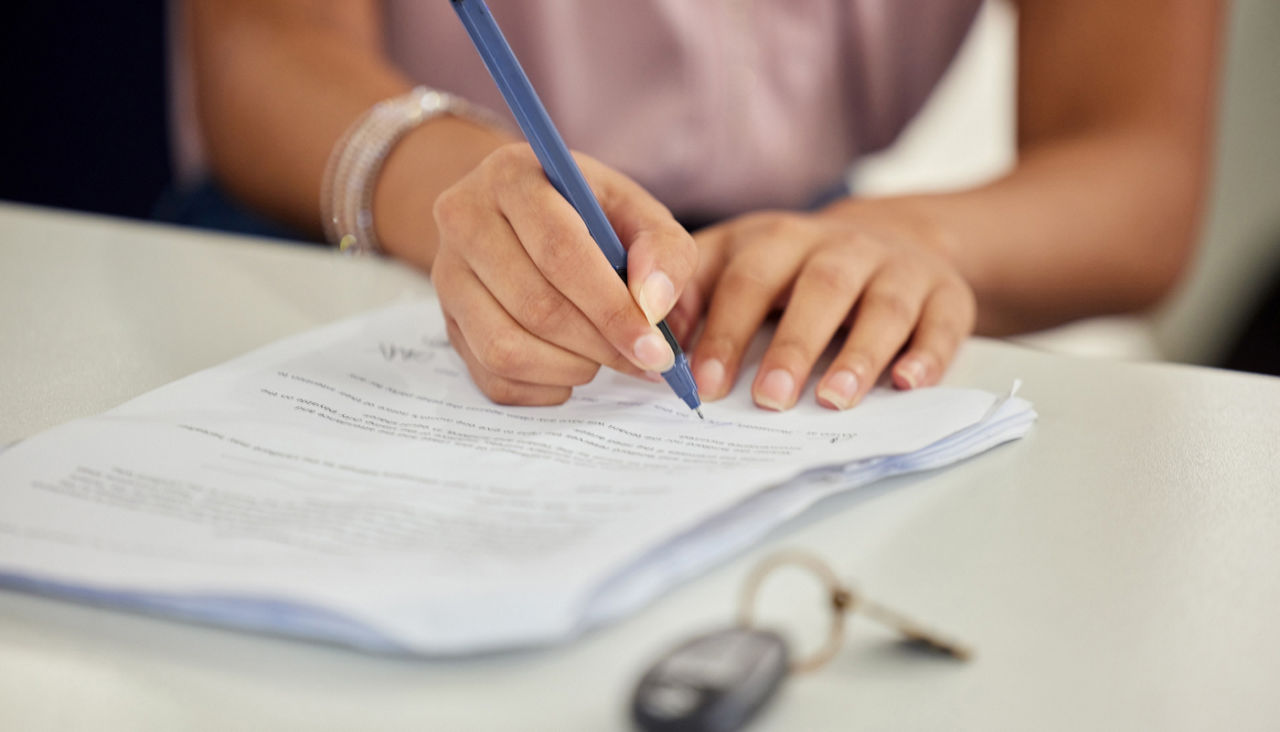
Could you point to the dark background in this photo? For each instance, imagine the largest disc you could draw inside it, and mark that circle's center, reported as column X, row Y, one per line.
column 85, row 124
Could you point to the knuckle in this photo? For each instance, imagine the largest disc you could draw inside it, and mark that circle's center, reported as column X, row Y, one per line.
column 509, row 166
column 556, row 397
column 543, row 312
column 450, row 210
column 948, row 325
column 791, row 350
column 585, row 375
column 830, row 271
column 749, row 273
column 504, row 392
column 889, row 304
column 441, row 276
column 883, row 245
column 557, row 261
column 513, row 394
column 502, row 355
column 619, row 318
column 773, row 225
column 676, row 251
column 511, row 155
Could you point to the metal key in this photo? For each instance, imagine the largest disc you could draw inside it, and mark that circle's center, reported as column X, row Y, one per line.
column 718, row 681
column 844, row 600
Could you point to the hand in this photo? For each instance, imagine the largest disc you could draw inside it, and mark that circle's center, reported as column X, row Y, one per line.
column 530, row 302
column 875, row 269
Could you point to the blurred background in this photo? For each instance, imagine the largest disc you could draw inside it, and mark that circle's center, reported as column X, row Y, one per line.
column 87, row 129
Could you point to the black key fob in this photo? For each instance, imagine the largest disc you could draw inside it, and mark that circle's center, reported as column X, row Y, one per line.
column 712, row 683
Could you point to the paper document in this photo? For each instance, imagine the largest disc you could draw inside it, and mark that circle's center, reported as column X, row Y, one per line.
column 352, row 484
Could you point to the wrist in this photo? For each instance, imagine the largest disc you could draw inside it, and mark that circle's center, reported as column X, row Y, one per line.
column 427, row 161
column 898, row 218
column 353, row 174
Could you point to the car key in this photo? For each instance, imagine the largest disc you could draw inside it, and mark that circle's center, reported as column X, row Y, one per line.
column 714, row 682
column 718, row 681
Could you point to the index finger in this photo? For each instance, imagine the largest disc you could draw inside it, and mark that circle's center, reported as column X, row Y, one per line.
column 562, row 249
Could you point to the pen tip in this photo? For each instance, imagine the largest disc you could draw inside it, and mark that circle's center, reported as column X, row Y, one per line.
column 699, row 411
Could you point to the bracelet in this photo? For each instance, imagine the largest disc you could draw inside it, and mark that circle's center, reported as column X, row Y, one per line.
column 351, row 173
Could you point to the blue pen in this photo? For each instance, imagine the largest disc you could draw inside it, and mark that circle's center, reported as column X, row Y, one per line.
column 559, row 165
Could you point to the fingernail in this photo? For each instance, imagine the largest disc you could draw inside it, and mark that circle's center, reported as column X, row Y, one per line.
column 776, row 390
column 653, row 376
column 653, row 353
column 911, row 373
column 709, row 375
column 657, row 295
column 839, row 389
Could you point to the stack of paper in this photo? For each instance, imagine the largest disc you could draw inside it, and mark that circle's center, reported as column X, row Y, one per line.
column 351, row 484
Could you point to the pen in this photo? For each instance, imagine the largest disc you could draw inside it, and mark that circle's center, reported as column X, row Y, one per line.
column 558, row 164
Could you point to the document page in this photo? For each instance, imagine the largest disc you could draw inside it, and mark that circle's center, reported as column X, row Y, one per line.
column 355, row 473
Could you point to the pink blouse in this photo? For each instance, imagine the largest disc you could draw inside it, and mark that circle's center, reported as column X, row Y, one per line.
column 715, row 106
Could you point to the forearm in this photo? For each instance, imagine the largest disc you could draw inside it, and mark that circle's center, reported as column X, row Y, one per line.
column 1083, row 226
column 278, row 84
column 1102, row 211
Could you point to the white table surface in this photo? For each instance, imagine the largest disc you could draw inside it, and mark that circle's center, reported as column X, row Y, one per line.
column 1119, row 568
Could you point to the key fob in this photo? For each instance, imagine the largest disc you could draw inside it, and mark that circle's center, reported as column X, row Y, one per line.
column 714, row 682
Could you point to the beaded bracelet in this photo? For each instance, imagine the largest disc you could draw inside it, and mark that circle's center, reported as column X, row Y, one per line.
column 351, row 173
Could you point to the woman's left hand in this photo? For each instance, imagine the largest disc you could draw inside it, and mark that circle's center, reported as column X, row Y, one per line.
column 865, row 265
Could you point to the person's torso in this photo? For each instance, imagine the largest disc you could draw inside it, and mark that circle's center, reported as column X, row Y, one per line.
column 716, row 106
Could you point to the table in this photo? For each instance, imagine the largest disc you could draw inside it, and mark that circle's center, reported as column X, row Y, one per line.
column 1119, row 568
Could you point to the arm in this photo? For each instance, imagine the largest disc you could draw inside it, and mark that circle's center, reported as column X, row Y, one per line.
column 530, row 304
column 278, row 83
column 1099, row 215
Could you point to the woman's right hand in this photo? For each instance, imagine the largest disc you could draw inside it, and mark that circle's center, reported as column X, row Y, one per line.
column 531, row 303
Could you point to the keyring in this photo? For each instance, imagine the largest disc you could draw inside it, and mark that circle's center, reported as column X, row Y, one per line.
column 841, row 598
column 720, row 679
